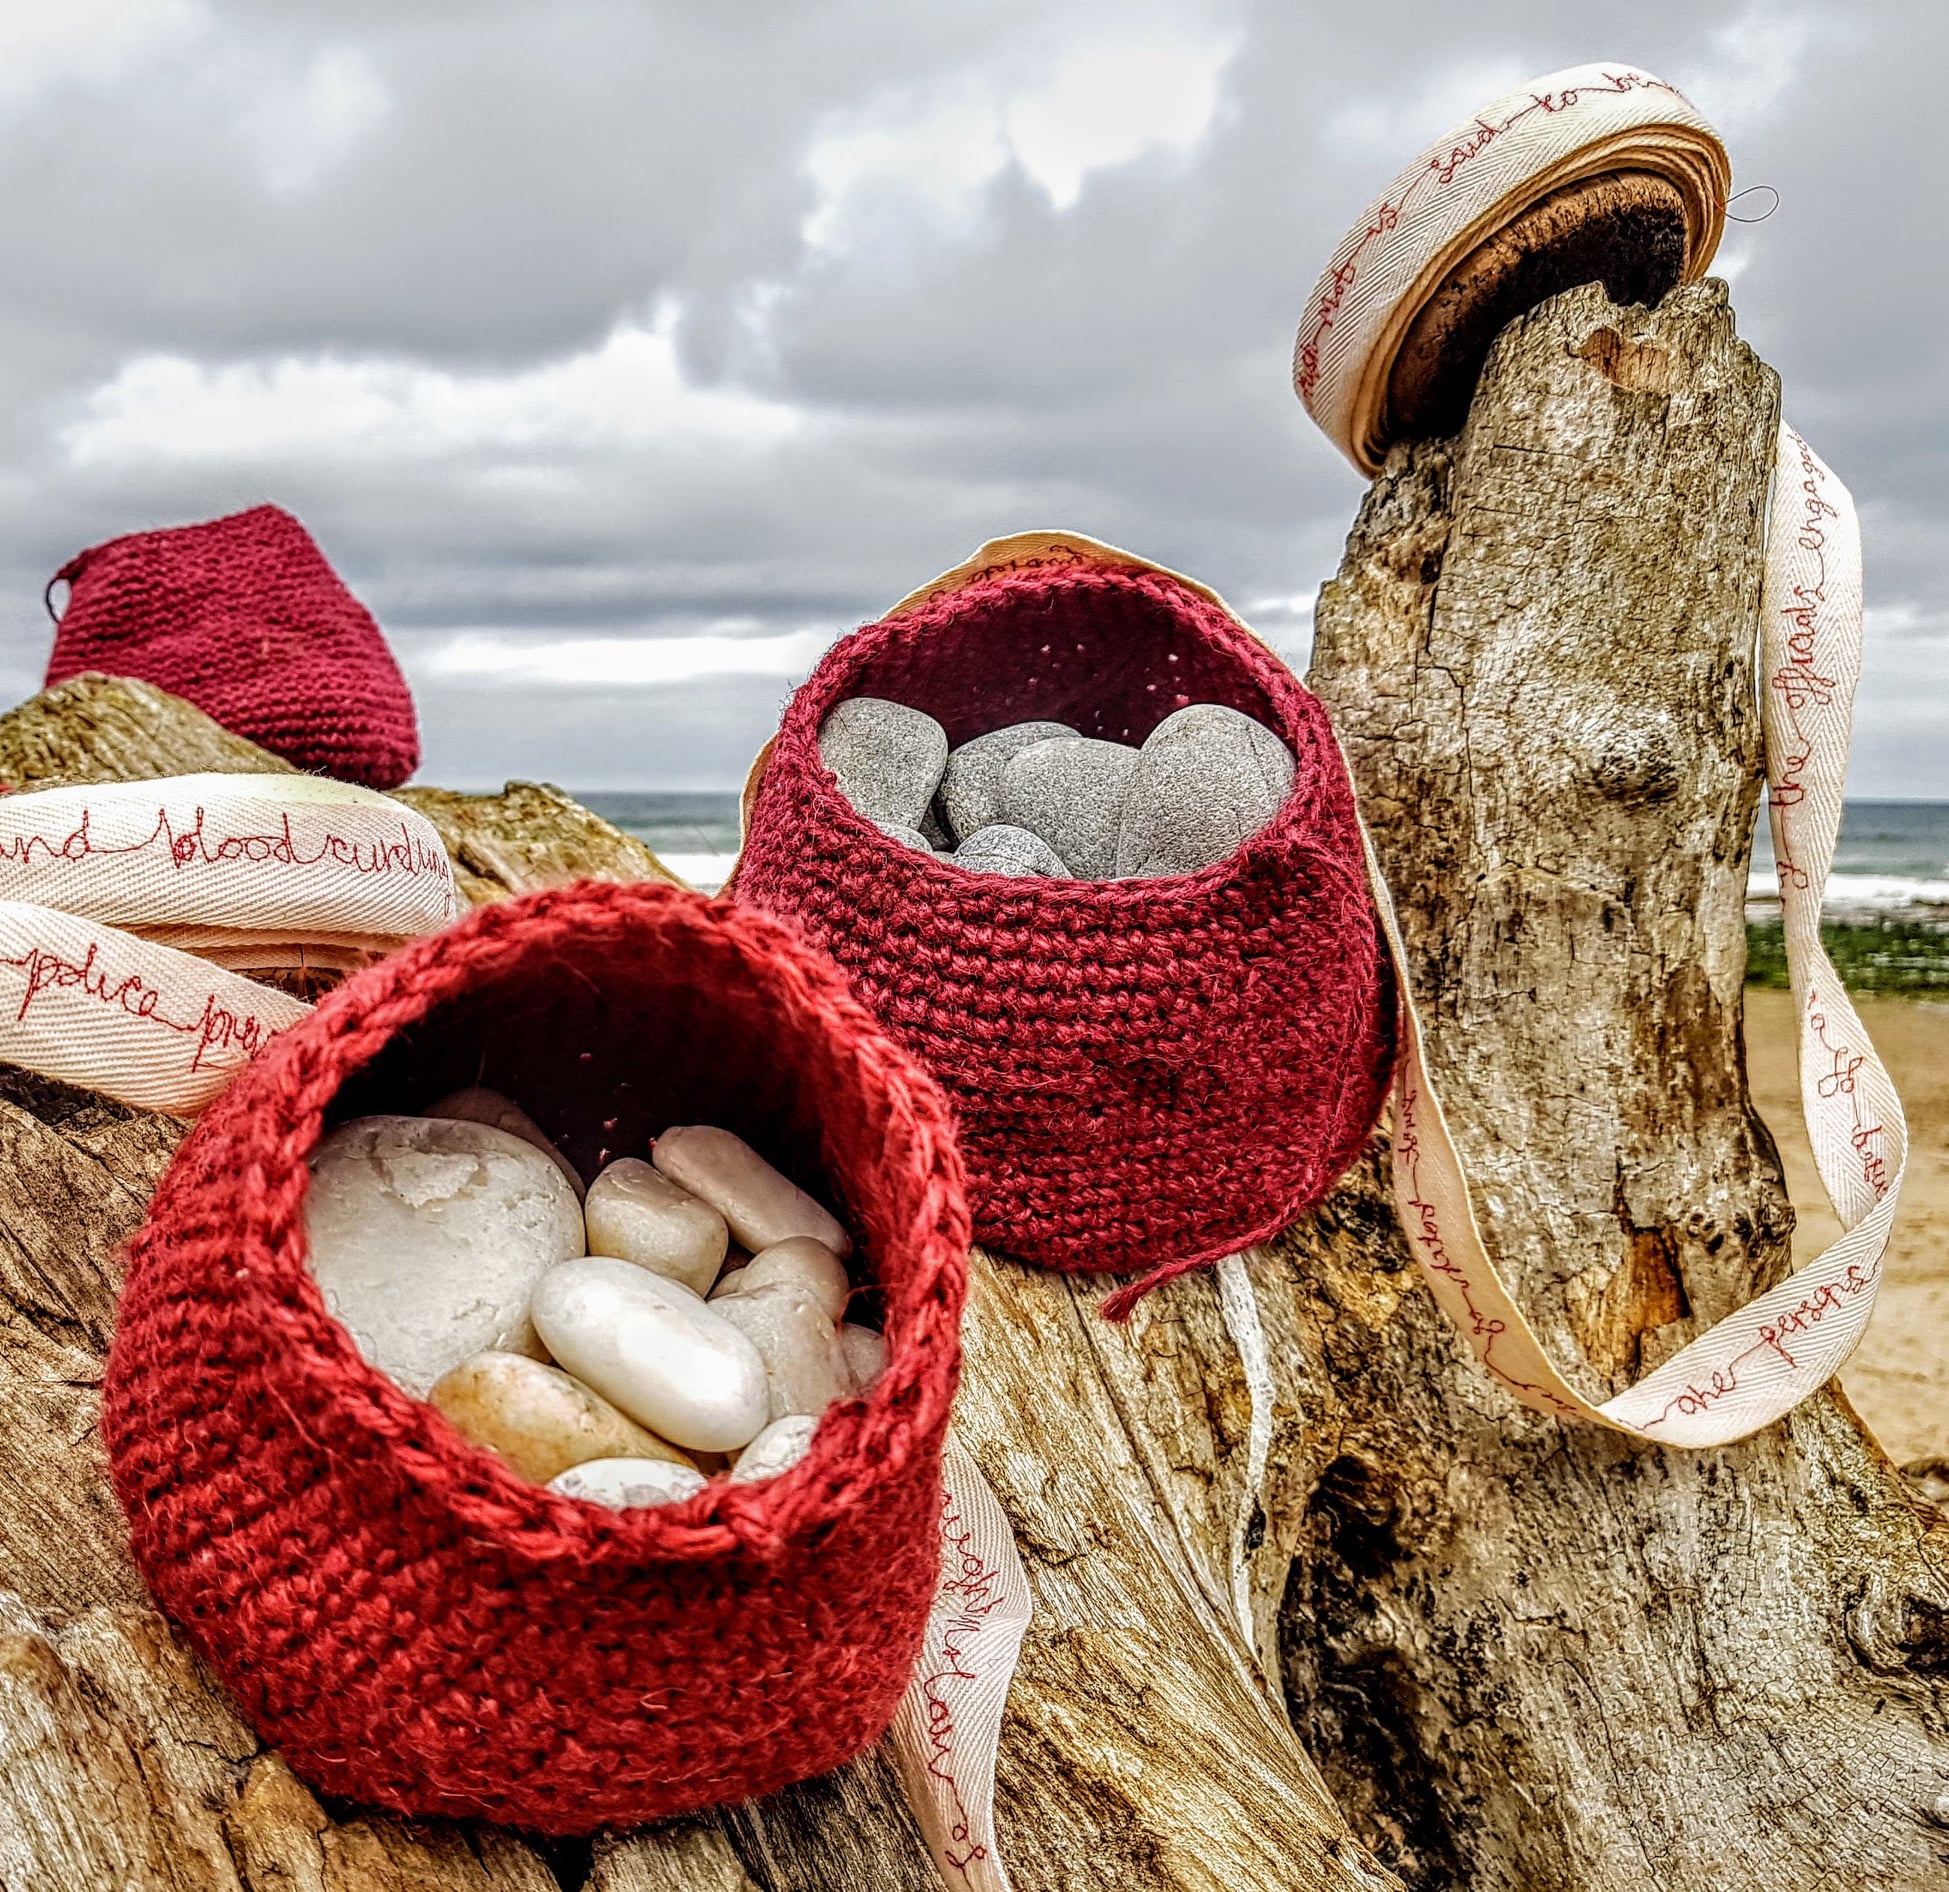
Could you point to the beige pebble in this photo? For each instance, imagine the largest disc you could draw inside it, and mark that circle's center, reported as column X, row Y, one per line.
column 537, row 1419
column 638, row 1215
column 652, row 1347
column 427, row 1236
column 762, row 1207
column 478, row 1104
column 804, row 1369
column 629, row 1484
column 727, row 1284
column 801, row 1262
column 865, row 1352
column 776, row 1449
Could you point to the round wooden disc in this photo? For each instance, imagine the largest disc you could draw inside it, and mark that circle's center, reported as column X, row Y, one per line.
column 1625, row 230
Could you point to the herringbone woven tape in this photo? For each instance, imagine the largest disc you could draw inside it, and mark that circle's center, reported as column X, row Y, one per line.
column 101, row 886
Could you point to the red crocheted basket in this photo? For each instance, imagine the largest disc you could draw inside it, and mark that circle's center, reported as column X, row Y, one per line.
column 411, row 1623
column 244, row 618
column 1147, row 1073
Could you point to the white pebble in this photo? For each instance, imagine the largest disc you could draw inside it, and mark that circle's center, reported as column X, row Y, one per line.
column 654, row 1349
column 804, row 1263
column 427, row 1236
column 762, row 1207
column 1208, row 779
column 776, row 1449
column 1070, row 790
column 971, row 782
column 888, row 758
column 793, row 1334
column 637, row 1214
column 1000, row 849
column 629, row 1484
column 866, row 1354
column 478, row 1104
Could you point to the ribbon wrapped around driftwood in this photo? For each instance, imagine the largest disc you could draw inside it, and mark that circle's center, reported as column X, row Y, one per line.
column 126, row 908
column 1411, row 273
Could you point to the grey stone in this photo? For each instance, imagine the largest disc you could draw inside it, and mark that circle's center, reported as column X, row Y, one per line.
column 933, row 824
column 1070, row 790
column 907, row 837
column 1000, row 849
column 888, row 758
column 1208, row 779
column 427, row 1235
column 971, row 785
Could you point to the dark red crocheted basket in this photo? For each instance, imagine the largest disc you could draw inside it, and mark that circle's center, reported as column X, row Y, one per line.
column 411, row 1623
column 244, row 618
column 1147, row 1073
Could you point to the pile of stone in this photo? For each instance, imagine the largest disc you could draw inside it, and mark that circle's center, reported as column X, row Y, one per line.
column 1042, row 799
column 685, row 1319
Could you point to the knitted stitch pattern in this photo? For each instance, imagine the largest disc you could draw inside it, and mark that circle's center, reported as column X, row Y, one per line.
column 1147, row 1073
column 244, row 618
column 414, row 1625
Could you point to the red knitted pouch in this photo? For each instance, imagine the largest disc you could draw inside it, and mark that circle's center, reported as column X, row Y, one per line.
column 244, row 618
column 1147, row 1073
column 414, row 1625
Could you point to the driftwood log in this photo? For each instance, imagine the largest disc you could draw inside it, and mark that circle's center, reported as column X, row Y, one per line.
column 1282, row 1497
column 1525, row 1655
column 1145, row 1745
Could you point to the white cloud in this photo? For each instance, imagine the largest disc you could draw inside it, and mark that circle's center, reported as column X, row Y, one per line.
column 628, row 392
column 928, row 159
column 303, row 128
column 44, row 43
column 504, row 657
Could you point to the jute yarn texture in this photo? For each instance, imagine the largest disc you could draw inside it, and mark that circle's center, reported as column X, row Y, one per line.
column 243, row 617
column 1147, row 1074
column 1421, row 246
column 413, row 1625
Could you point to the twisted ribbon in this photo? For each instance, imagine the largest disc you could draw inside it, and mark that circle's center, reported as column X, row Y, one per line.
column 1761, row 1361
column 124, row 906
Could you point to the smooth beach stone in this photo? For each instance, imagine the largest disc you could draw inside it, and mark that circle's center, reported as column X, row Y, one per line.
column 478, row 1104
column 651, row 1347
column 537, row 1419
column 866, row 1354
column 907, row 837
column 427, row 1236
column 762, row 1207
column 804, row 1367
column 776, row 1449
column 804, row 1263
column 888, row 758
column 629, row 1484
column 636, row 1213
column 1000, row 849
column 1208, row 779
column 730, row 1282
column 970, row 795
column 1070, row 790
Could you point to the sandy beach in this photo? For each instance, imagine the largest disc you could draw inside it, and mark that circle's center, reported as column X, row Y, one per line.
column 1899, row 1379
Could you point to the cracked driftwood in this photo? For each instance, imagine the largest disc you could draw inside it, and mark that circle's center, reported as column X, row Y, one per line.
column 1527, row 1655
column 1144, row 1746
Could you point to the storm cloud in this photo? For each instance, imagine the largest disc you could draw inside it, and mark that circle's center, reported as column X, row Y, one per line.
column 623, row 354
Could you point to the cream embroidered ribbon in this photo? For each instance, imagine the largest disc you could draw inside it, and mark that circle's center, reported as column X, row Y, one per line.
column 101, row 889
column 1763, row 1360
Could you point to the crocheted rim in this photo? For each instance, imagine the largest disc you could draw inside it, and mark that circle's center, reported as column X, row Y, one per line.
column 1301, row 724
column 862, row 1443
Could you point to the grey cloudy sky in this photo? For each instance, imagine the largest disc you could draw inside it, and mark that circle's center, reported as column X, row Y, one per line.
column 622, row 354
